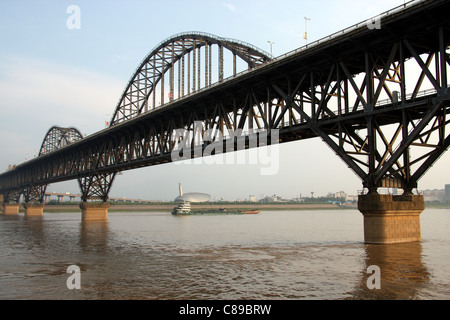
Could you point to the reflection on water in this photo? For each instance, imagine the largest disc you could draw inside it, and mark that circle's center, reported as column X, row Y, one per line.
column 403, row 273
column 94, row 235
column 272, row 255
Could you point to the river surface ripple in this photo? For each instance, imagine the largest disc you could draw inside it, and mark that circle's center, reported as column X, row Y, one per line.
column 317, row 254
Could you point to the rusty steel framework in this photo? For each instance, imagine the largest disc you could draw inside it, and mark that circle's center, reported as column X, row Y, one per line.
column 379, row 98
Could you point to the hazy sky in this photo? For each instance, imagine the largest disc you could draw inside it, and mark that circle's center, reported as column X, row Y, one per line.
column 53, row 75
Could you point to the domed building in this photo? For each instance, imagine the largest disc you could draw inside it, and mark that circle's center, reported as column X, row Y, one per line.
column 192, row 196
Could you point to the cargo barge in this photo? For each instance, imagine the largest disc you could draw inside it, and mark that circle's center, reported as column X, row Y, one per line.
column 184, row 208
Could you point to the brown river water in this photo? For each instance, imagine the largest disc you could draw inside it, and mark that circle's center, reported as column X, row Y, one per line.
column 274, row 255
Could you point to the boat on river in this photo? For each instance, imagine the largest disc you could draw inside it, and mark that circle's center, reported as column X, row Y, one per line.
column 184, row 208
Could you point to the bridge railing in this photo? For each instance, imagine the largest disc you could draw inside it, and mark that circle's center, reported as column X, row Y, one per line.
column 386, row 190
column 206, row 34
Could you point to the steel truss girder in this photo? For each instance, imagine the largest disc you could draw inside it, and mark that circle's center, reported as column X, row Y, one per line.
column 34, row 194
column 96, row 186
column 379, row 165
column 12, row 195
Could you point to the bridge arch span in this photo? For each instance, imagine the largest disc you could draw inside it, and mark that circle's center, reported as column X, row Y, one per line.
column 58, row 137
column 181, row 56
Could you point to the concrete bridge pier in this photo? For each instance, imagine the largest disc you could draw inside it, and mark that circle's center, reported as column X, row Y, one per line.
column 34, row 209
column 94, row 187
column 94, row 211
column 391, row 219
column 10, row 209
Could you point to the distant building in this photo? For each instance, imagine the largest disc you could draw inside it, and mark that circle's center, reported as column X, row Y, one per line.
column 447, row 192
column 342, row 194
column 298, row 199
column 434, row 195
column 338, row 195
column 192, row 196
column 273, row 198
column 251, row 198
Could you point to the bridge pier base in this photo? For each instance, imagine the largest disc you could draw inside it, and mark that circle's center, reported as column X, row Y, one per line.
column 391, row 219
column 94, row 211
column 34, row 210
column 10, row 209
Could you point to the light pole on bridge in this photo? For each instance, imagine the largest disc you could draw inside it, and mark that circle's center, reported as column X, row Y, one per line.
column 305, row 35
column 271, row 43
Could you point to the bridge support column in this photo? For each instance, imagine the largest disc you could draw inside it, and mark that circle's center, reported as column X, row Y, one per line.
column 34, row 210
column 95, row 187
column 391, row 219
column 10, row 209
column 94, row 211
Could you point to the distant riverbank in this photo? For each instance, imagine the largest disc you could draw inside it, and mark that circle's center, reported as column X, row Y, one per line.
column 234, row 206
column 229, row 206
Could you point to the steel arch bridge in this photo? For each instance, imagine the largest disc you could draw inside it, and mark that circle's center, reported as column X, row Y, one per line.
column 58, row 137
column 181, row 57
column 379, row 98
